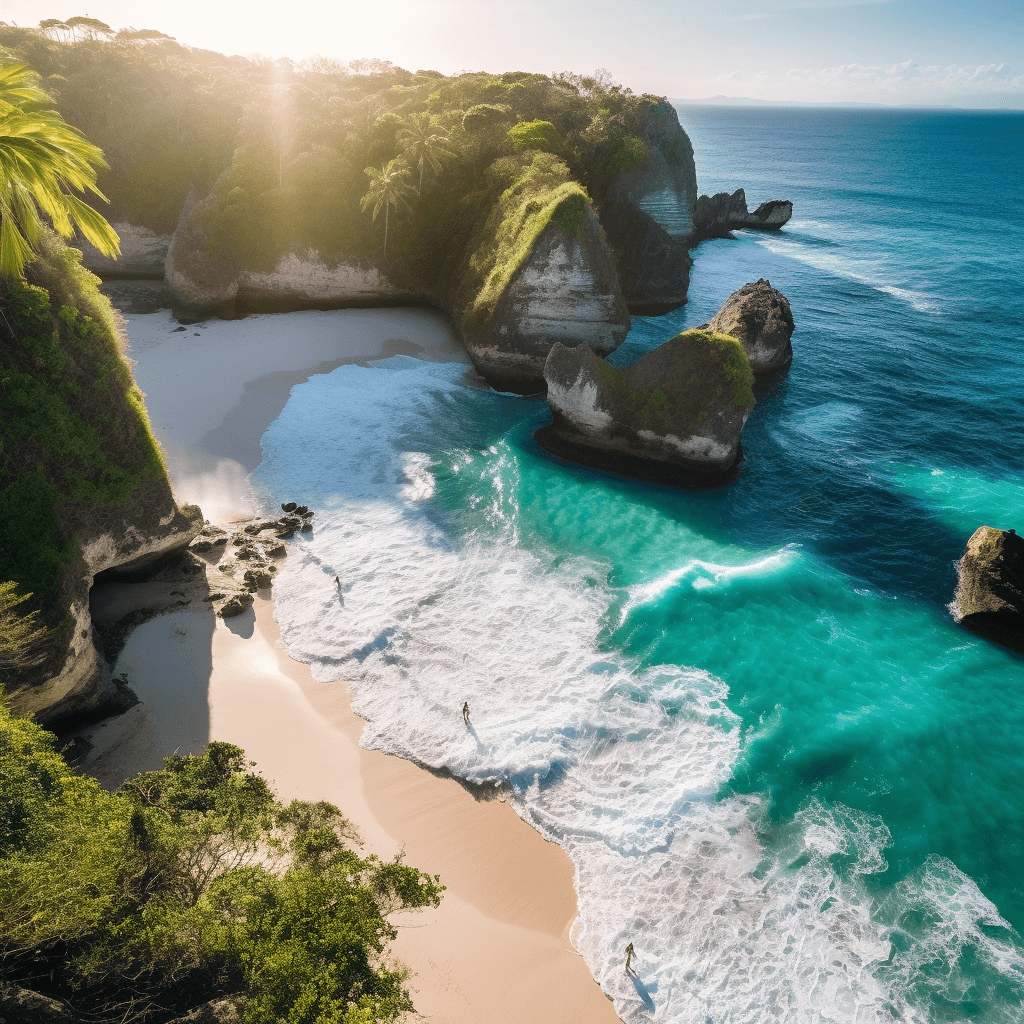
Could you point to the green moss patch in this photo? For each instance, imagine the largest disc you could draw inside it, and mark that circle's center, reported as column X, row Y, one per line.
column 541, row 192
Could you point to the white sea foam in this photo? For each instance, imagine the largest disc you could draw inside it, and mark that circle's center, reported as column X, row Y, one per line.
column 867, row 271
column 733, row 918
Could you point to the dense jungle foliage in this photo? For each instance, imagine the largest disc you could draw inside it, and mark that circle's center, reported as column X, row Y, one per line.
column 190, row 883
column 73, row 426
column 284, row 148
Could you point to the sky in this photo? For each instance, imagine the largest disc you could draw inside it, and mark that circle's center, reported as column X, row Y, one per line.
column 961, row 53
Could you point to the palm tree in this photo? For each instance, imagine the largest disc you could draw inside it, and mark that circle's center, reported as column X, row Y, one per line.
column 388, row 187
column 42, row 159
column 422, row 146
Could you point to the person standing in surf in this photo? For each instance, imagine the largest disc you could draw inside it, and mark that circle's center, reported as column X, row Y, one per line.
column 629, row 956
column 465, row 712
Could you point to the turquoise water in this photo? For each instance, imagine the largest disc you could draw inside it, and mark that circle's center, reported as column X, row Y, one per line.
column 782, row 770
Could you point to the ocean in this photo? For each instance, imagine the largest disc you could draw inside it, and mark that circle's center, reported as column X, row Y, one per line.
column 782, row 770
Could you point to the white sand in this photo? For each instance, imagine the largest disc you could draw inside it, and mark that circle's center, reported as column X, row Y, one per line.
column 213, row 388
column 498, row 949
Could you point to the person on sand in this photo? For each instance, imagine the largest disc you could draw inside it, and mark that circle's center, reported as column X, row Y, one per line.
column 629, row 956
column 465, row 712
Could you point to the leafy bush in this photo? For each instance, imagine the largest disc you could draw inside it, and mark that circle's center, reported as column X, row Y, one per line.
column 188, row 883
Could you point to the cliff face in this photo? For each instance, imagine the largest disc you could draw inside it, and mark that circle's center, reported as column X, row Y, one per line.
column 84, row 488
column 565, row 292
column 674, row 416
column 202, row 280
column 143, row 254
column 648, row 216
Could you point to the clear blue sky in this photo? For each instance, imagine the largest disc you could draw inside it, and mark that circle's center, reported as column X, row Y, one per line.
column 956, row 52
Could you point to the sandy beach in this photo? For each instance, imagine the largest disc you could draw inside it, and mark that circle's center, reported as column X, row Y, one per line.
column 498, row 949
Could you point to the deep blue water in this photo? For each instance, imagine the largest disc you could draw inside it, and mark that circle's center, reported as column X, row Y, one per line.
column 782, row 769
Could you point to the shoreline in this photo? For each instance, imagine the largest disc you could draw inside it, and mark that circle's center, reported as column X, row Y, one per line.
column 498, row 948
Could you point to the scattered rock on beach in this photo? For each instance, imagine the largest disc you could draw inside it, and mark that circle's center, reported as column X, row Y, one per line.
column 235, row 605
column 990, row 593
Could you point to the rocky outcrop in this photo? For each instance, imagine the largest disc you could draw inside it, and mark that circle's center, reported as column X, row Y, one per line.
column 23, row 1006
column 143, row 253
column 759, row 318
column 566, row 292
column 674, row 416
column 654, row 267
column 990, row 593
column 648, row 216
column 72, row 680
column 715, row 216
column 201, row 280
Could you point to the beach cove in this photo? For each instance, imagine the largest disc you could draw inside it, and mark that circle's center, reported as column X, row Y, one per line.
column 499, row 945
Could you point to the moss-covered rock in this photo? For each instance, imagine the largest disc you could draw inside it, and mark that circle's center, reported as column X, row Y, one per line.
column 758, row 316
column 83, row 487
column 540, row 273
column 989, row 596
column 676, row 415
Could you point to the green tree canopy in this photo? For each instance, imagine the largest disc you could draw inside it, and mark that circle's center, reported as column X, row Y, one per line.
column 43, row 162
column 423, row 144
column 389, row 185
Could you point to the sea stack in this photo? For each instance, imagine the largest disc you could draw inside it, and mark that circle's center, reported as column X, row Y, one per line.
column 759, row 318
column 990, row 593
column 675, row 416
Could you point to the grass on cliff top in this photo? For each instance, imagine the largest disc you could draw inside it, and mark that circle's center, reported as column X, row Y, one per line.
column 540, row 191
column 73, row 426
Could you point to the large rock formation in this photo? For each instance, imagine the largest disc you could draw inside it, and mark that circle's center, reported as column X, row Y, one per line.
column 990, row 593
column 85, row 489
column 202, row 280
column 674, row 416
column 716, row 216
column 648, row 216
column 143, row 253
column 566, row 292
column 759, row 318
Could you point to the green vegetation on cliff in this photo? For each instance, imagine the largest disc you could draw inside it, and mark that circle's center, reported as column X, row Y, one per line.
column 281, row 149
column 190, row 883
column 73, row 427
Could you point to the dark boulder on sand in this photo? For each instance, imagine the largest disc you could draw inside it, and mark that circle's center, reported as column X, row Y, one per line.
column 990, row 593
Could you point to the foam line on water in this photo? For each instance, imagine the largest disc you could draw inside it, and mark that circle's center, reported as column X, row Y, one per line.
column 871, row 272
column 704, row 575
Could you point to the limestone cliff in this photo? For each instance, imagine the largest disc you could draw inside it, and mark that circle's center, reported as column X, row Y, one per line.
column 143, row 253
column 648, row 215
column 675, row 416
column 202, row 280
column 565, row 292
column 84, row 487
column 759, row 317
column 990, row 593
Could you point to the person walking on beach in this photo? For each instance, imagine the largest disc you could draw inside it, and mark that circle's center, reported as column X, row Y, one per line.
column 629, row 956
column 465, row 712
